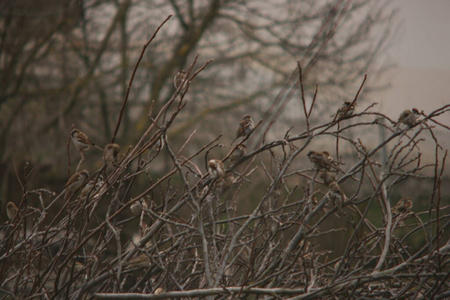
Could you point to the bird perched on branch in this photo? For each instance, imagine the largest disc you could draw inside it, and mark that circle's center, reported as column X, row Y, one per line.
column 110, row 157
column 140, row 261
column 322, row 160
column 240, row 151
column 408, row 117
column 11, row 210
column 81, row 141
column 160, row 291
column 92, row 187
column 78, row 266
column 345, row 111
column 216, row 168
column 327, row 177
column 403, row 205
column 179, row 79
column 335, row 188
column 245, row 127
column 137, row 207
column 76, row 181
column 223, row 184
column 337, row 195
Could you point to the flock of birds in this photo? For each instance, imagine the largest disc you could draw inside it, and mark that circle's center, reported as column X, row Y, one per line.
column 322, row 161
column 223, row 179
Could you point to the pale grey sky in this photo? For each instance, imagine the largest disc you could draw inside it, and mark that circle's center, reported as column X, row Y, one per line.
column 421, row 52
column 424, row 37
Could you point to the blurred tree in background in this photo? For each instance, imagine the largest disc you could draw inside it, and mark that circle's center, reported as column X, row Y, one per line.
column 69, row 62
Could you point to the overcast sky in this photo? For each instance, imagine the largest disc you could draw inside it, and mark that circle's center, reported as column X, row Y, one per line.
column 424, row 37
column 421, row 52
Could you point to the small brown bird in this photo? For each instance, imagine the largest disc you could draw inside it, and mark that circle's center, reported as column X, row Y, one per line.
column 327, row 177
column 404, row 205
column 76, row 181
column 245, row 127
column 11, row 210
column 216, row 168
column 239, row 152
column 81, row 141
column 179, row 79
column 334, row 186
column 322, row 160
column 408, row 117
column 160, row 291
column 137, row 207
column 110, row 157
column 222, row 184
column 416, row 111
column 140, row 261
column 345, row 111
column 78, row 267
column 92, row 187
column 336, row 195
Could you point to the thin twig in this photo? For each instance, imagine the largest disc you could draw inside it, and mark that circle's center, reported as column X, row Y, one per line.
column 125, row 100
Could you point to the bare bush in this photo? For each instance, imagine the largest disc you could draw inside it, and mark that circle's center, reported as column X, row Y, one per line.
column 256, row 227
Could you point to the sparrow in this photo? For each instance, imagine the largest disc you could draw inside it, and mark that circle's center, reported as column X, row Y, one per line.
column 92, row 187
column 11, row 210
column 322, row 160
column 78, row 267
column 216, row 168
column 179, row 79
column 110, row 157
column 140, row 261
column 404, row 205
column 345, row 111
column 408, row 117
column 222, row 184
column 137, row 207
column 336, row 194
column 327, row 177
column 335, row 188
column 160, row 291
column 81, row 140
column 416, row 111
column 245, row 127
column 76, row 181
column 240, row 151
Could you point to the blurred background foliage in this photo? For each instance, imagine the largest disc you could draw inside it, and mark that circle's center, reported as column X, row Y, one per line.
column 69, row 62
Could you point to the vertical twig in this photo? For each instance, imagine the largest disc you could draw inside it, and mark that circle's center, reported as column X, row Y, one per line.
column 125, row 100
column 303, row 95
column 314, row 100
